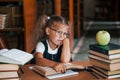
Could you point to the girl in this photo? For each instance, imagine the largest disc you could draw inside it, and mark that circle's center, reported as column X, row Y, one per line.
column 53, row 48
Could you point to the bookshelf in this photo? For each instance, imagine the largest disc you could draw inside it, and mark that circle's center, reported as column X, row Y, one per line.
column 22, row 21
column 107, row 10
column 30, row 15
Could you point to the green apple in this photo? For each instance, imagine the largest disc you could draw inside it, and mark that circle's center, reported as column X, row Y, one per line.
column 103, row 37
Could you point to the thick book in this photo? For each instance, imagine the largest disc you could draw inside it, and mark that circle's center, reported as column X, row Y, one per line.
column 106, row 72
column 102, row 75
column 113, row 56
column 15, row 56
column 9, row 67
column 104, row 59
column 47, row 71
column 104, row 65
column 13, row 75
column 106, row 49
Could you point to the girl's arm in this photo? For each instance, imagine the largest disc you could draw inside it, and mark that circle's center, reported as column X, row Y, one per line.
column 66, row 55
column 40, row 60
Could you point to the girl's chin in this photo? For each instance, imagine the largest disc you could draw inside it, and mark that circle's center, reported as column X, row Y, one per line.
column 58, row 44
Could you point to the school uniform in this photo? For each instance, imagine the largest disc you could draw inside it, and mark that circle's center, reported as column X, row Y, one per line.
column 48, row 53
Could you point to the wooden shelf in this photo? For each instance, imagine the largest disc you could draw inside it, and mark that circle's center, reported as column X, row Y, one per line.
column 17, row 29
column 27, row 16
column 11, row 0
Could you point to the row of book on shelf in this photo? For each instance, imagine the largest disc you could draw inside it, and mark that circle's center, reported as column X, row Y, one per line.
column 10, row 61
column 3, row 20
column 105, row 60
column 10, row 16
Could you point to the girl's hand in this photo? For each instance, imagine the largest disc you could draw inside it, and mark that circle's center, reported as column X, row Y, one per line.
column 60, row 67
column 65, row 41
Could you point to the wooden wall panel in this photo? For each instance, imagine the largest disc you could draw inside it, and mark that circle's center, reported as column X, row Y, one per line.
column 57, row 7
column 30, row 17
column 71, row 19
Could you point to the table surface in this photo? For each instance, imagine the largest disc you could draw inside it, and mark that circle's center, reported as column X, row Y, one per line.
column 28, row 74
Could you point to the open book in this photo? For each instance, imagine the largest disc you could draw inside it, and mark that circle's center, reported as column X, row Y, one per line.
column 14, row 56
column 47, row 71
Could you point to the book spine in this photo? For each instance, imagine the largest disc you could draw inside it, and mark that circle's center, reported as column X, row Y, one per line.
column 98, row 49
column 91, row 52
column 100, row 64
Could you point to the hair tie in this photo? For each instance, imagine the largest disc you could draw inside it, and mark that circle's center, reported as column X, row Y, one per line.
column 48, row 17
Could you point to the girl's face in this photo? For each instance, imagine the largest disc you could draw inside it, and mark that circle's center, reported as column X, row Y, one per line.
column 56, row 34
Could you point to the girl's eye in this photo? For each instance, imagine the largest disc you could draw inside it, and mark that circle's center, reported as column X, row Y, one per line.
column 59, row 32
column 66, row 34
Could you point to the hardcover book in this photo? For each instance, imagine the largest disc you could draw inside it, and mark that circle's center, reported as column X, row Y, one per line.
column 104, row 74
column 114, row 56
column 104, row 65
column 15, row 56
column 9, row 67
column 106, row 49
column 97, row 75
column 103, row 59
column 9, row 75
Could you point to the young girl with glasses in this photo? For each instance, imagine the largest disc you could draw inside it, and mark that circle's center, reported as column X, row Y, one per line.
column 53, row 47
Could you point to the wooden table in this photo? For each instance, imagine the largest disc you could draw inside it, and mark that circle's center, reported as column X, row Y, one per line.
column 83, row 75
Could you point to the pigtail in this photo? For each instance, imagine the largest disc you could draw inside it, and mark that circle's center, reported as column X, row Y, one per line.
column 39, row 31
column 69, row 30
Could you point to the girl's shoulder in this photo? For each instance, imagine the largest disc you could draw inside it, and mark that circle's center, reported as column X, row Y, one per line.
column 40, row 44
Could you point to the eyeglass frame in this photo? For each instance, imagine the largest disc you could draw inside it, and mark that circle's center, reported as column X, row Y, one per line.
column 60, row 32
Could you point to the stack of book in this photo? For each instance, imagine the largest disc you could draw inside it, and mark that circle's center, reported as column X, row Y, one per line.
column 3, row 20
column 9, row 71
column 105, row 60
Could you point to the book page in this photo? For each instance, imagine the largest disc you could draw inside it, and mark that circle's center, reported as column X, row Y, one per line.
column 2, row 51
column 67, row 73
column 73, row 66
column 8, row 60
column 18, row 55
column 45, row 71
